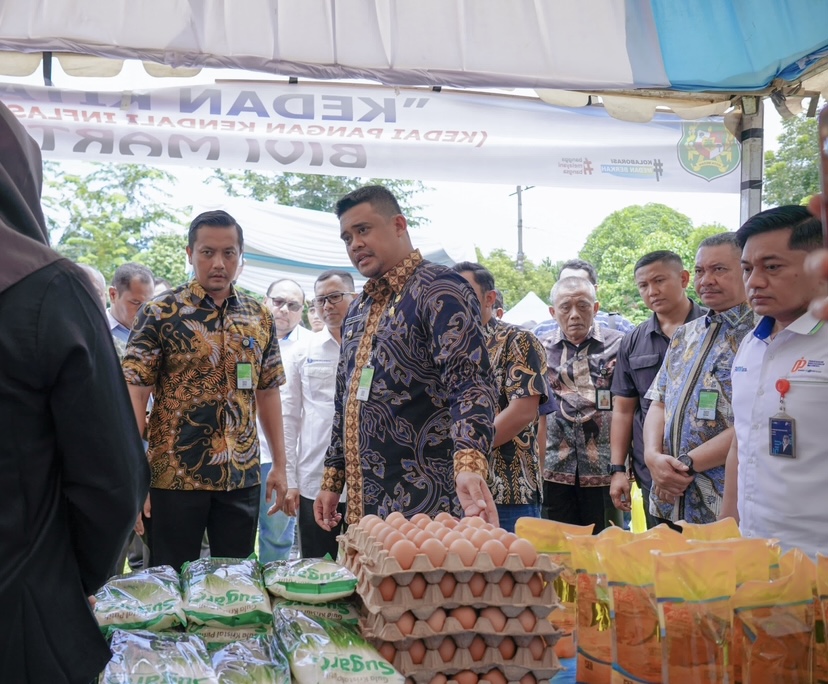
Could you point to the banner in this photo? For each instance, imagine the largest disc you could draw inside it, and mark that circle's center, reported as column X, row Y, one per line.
column 379, row 132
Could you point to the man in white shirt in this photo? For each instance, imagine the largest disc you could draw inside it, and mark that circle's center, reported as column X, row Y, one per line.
column 780, row 388
column 309, row 409
column 286, row 299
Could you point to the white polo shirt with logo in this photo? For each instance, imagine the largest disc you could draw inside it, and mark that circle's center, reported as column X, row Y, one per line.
column 779, row 497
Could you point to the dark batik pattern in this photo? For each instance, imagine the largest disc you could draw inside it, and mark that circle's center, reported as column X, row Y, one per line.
column 202, row 429
column 519, row 366
column 578, row 434
column 431, row 405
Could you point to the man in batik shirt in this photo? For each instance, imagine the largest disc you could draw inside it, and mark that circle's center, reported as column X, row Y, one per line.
column 210, row 356
column 689, row 427
column 414, row 402
column 581, row 360
column 519, row 365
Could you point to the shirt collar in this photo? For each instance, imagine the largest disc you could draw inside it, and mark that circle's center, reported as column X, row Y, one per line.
column 114, row 322
column 199, row 295
column 652, row 325
column 806, row 324
column 594, row 333
column 732, row 316
column 394, row 280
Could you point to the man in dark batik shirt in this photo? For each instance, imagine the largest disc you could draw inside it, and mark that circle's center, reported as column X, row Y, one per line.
column 414, row 403
column 519, row 366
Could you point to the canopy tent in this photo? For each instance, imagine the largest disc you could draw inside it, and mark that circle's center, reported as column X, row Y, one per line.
column 288, row 242
column 529, row 309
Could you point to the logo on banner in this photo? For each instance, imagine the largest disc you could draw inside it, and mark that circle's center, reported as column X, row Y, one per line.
column 575, row 166
column 708, row 150
column 640, row 169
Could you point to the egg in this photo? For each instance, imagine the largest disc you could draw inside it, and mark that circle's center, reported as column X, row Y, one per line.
column 442, row 517
column 417, row 652
column 507, row 538
column 465, row 550
column 507, row 584
column 417, row 586
column 465, row 677
column 468, row 532
column 535, row 585
column 437, row 620
column 382, row 530
column 495, row 616
column 446, row 649
column 451, row 537
column 528, row 678
column 388, row 589
column 419, row 537
column 477, row 584
column 420, row 520
column 392, row 538
column 442, row 534
column 477, row 648
column 437, row 679
column 536, row 647
column 465, row 615
column 527, row 620
column 367, row 522
column 447, row 585
column 525, row 550
column 507, row 648
column 435, row 550
column 451, row 524
column 406, row 528
column 406, row 623
column 480, row 537
column 475, row 522
column 388, row 651
column 403, row 550
column 495, row 677
column 434, row 527
column 495, row 550
column 395, row 519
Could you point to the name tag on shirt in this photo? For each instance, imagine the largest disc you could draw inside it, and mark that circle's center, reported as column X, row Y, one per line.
column 603, row 400
column 782, row 440
column 708, row 399
column 244, row 376
column 365, row 380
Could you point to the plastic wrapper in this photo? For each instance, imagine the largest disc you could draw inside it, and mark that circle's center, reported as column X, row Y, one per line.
column 777, row 620
column 726, row 528
column 693, row 590
column 251, row 661
column 635, row 634
column 225, row 592
column 165, row 657
column 310, row 580
column 215, row 638
column 321, row 650
column 148, row 599
column 337, row 611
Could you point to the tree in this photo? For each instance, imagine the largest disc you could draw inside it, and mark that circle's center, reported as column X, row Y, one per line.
column 166, row 257
column 513, row 284
column 315, row 192
column 792, row 173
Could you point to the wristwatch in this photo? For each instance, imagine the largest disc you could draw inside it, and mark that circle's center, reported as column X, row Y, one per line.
column 687, row 460
column 612, row 469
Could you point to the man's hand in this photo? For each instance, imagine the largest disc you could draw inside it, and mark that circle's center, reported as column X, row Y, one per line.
column 139, row 523
column 475, row 497
column 620, row 492
column 276, row 484
column 324, row 510
column 669, row 475
column 291, row 506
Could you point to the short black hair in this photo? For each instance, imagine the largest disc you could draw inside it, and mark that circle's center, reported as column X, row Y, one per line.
column 380, row 197
column 126, row 273
column 806, row 229
column 285, row 280
column 580, row 265
column 664, row 255
column 218, row 218
column 482, row 276
column 498, row 300
column 719, row 239
column 346, row 277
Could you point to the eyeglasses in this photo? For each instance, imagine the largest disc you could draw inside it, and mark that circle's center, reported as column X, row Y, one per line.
column 333, row 298
column 292, row 306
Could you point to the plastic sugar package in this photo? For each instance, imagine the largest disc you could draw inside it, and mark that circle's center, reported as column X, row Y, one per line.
column 337, row 611
column 310, row 580
column 255, row 660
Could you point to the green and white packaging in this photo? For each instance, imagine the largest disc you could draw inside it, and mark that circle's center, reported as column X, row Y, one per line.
column 336, row 611
column 310, row 580
column 251, row 661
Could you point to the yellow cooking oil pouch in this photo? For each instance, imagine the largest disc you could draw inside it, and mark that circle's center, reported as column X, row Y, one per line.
column 820, row 622
column 727, row 528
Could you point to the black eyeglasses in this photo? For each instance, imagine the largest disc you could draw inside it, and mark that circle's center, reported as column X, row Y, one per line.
column 278, row 303
column 333, row 298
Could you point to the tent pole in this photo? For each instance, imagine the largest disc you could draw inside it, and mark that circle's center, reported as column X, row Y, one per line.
column 752, row 153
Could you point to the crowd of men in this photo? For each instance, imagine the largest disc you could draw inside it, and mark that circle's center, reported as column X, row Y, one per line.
column 408, row 394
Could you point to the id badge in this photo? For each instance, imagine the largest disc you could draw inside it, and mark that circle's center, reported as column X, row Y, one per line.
column 365, row 380
column 244, row 376
column 603, row 400
column 708, row 399
column 782, row 438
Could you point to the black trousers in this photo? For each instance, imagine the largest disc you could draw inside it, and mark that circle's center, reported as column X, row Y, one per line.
column 578, row 505
column 178, row 521
column 313, row 540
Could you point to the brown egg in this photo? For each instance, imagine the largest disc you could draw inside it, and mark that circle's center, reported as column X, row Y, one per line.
column 527, row 620
column 403, row 550
column 435, row 550
column 528, row 678
column 507, row 538
column 406, row 528
column 437, row 620
column 417, row 651
column 536, row 647
column 437, row 679
column 451, row 537
column 495, row 677
column 465, row 615
column 465, row 677
column 417, row 586
column 442, row 534
column 465, row 550
column 395, row 519
column 406, row 623
column 495, row 550
column 480, row 537
column 469, row 531
column 495, row 616
column 451, row 524
column 447, row 585
column 420, row 520
column 382, row 530
column 434, row 527
column 477, row 648
column 367, row 522
column 388, row 589
column 392, row 538
column 535, row 585
column 507, row 584
column 525, row 550
column 475, row 522
column 477, row 584
column 420, row 536
column 507, row 648
column 447, row 649
column 442, row 517
column 388, row 651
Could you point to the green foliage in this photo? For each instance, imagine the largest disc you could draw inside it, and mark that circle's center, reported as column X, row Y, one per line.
column 514, row 284
column 316, row 192
column 166, row 258
column 792, row 173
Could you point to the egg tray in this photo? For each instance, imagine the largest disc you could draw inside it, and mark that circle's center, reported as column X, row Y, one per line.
column 514, row 668
column 377, row 627
column 412, row 680
column 433, row 598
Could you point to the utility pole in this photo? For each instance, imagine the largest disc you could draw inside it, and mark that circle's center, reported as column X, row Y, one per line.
column 520, row 255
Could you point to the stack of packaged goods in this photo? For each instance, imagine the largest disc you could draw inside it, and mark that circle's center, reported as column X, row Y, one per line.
column 449, row 600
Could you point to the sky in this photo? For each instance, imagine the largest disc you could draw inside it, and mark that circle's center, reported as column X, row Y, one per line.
column 556, row 222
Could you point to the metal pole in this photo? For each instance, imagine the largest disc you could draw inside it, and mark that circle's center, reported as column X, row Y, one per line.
column 520, row 255
column 752, row 144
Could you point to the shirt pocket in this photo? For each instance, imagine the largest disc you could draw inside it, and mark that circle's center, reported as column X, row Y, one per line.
column 642, row 361
column 321, row 380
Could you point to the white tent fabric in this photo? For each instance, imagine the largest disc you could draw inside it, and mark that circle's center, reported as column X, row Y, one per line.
column 289, row 242
column 530, row 308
